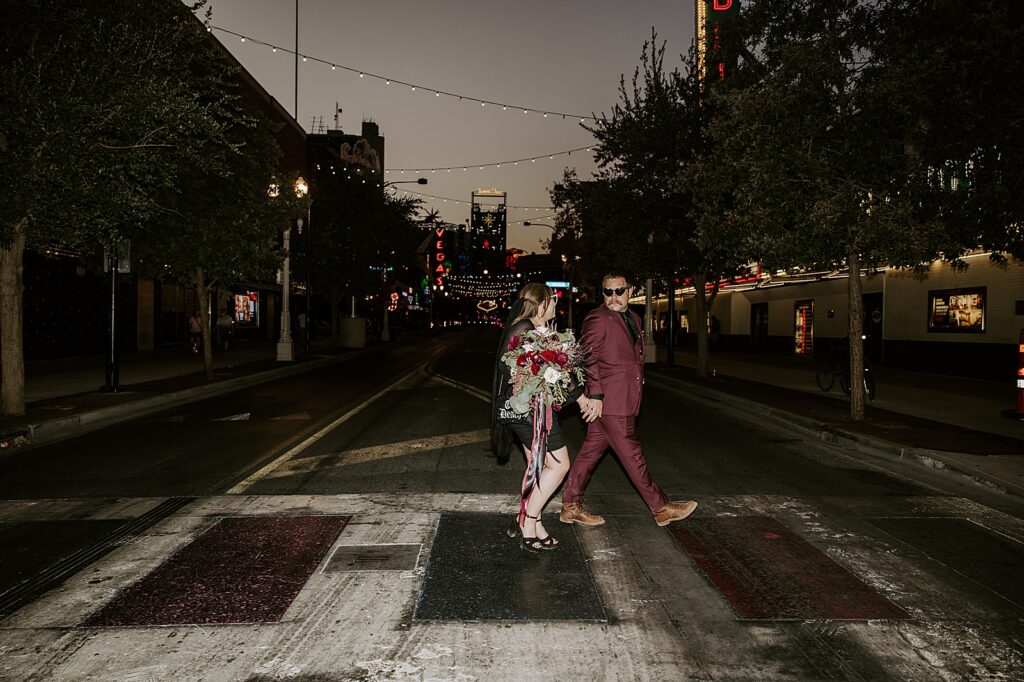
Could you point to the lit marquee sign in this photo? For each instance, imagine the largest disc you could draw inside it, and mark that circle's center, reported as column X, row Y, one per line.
column 712, row 15
column 437, row 265
column 487, row 306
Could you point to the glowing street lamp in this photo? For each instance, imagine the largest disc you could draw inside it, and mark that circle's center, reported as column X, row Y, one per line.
column 285, row 347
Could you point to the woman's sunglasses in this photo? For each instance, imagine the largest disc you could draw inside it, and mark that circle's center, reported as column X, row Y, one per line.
column 618, row 291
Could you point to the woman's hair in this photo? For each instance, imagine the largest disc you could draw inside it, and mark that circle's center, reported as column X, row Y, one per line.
column 532, row 297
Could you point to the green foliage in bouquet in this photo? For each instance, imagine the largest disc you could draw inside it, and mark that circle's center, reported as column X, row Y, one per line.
column 545, row 365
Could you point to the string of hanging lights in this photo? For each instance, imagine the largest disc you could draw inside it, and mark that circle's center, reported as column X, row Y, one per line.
column 494, row 164
column 540, row 217
column 414, row 87
column 459, row 201
column 482, row 287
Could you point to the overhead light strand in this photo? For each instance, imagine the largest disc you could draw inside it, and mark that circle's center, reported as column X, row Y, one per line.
column 481, row 166
column 412, row 86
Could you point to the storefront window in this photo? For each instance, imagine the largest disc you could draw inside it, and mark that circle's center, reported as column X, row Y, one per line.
column 957, row 310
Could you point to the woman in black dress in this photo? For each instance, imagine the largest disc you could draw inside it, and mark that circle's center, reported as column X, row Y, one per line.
column 534, row 308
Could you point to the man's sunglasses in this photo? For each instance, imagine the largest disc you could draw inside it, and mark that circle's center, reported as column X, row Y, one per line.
column 618, row 291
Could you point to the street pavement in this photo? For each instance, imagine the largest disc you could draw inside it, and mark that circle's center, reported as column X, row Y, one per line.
column 392, row 440
column 954, row 423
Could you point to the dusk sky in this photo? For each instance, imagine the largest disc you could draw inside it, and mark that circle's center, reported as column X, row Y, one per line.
column 562, row 57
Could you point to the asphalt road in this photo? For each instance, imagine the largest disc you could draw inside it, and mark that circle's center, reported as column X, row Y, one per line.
column 412, row 423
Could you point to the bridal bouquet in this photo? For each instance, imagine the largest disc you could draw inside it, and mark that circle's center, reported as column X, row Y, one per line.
column 545, row 365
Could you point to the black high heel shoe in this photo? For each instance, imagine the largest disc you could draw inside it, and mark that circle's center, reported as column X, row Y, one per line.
column 530, row 544
column 548, row 542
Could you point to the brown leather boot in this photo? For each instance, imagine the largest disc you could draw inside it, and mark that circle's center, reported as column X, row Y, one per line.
column 674, row 511
column 575, row 513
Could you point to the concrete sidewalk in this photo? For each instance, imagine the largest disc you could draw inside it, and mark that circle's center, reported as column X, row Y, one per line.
column 940, row 421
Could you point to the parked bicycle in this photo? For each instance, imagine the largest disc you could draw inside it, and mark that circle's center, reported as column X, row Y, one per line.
column 836, row 364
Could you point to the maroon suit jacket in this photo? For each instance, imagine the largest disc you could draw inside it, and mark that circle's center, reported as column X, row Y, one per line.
column 615, row 364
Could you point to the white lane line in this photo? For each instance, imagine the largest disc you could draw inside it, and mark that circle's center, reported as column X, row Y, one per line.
column 240, row 488
column 465, row 388
column 243, row 417
column 376, row 453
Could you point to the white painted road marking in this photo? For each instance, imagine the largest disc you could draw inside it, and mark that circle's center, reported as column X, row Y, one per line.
column 242, row 487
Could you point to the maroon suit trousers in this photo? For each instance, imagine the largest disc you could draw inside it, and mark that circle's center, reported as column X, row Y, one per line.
column 620, row 433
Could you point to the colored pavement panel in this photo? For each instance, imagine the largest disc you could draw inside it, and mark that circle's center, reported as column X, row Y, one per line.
column 242, row 570
column 991, row 559
column 768, row 572
column 475, row 572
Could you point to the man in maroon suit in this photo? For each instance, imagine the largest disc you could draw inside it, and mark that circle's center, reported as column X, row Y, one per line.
column 613, row 339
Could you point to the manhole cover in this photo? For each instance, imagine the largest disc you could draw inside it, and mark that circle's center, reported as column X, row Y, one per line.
column 374, row 558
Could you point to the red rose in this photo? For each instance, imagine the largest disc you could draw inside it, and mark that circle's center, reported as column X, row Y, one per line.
column 521, row 361
column 513, row 342
column 562, row 358
column 534, row 368
column 549, row 355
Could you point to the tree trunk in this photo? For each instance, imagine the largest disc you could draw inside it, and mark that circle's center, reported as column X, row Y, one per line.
column 857, row 397
column 12, row 356
column 203, row 299
column 699, row 281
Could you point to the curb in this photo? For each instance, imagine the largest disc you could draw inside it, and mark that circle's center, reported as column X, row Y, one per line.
column 832, row 435
column 61, row 428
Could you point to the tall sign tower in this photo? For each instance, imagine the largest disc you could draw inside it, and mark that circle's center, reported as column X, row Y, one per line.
column 488, row 228
column 712, row 19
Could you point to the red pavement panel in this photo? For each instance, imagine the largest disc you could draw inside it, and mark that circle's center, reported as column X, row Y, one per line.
column 768, row 572
column 242, row 570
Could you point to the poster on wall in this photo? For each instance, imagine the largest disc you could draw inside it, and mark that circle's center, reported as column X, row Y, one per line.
column 803, row 328
column 957, row 310
column 247, row 309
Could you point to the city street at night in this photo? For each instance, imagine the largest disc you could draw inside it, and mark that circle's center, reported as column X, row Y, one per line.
column 803, row 561
column 448, row 342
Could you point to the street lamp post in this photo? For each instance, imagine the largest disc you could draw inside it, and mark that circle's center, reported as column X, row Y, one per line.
column 307, row 331
column 285, row 347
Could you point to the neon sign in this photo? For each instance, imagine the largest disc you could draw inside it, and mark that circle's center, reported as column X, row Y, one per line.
column 439, row 256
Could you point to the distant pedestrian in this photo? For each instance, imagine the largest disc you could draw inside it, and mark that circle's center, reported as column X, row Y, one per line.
column 195, row 332
column 614, row 342
column 225, row 329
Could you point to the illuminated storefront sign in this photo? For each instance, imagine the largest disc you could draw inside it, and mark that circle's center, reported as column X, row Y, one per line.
column 803, row 332
column 247, row 309
column 487, row 306
column 957, row 310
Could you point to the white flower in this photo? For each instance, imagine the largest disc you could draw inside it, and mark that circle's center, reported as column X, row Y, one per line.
column 551, row 375
column 527, row 346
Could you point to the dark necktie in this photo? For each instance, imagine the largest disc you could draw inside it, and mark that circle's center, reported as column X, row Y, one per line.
column 634, row 333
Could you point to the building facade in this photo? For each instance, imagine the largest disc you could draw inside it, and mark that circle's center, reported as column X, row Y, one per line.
column 959, row 322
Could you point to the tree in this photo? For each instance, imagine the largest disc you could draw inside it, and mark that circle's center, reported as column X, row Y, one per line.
column 361, row 230
column 97, row 99
column 834, row 132
column 649, row 189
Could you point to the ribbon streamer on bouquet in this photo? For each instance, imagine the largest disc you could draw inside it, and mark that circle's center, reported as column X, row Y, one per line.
column 542, row 416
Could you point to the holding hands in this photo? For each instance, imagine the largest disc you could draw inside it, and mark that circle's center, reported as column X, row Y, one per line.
column 590, row 408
